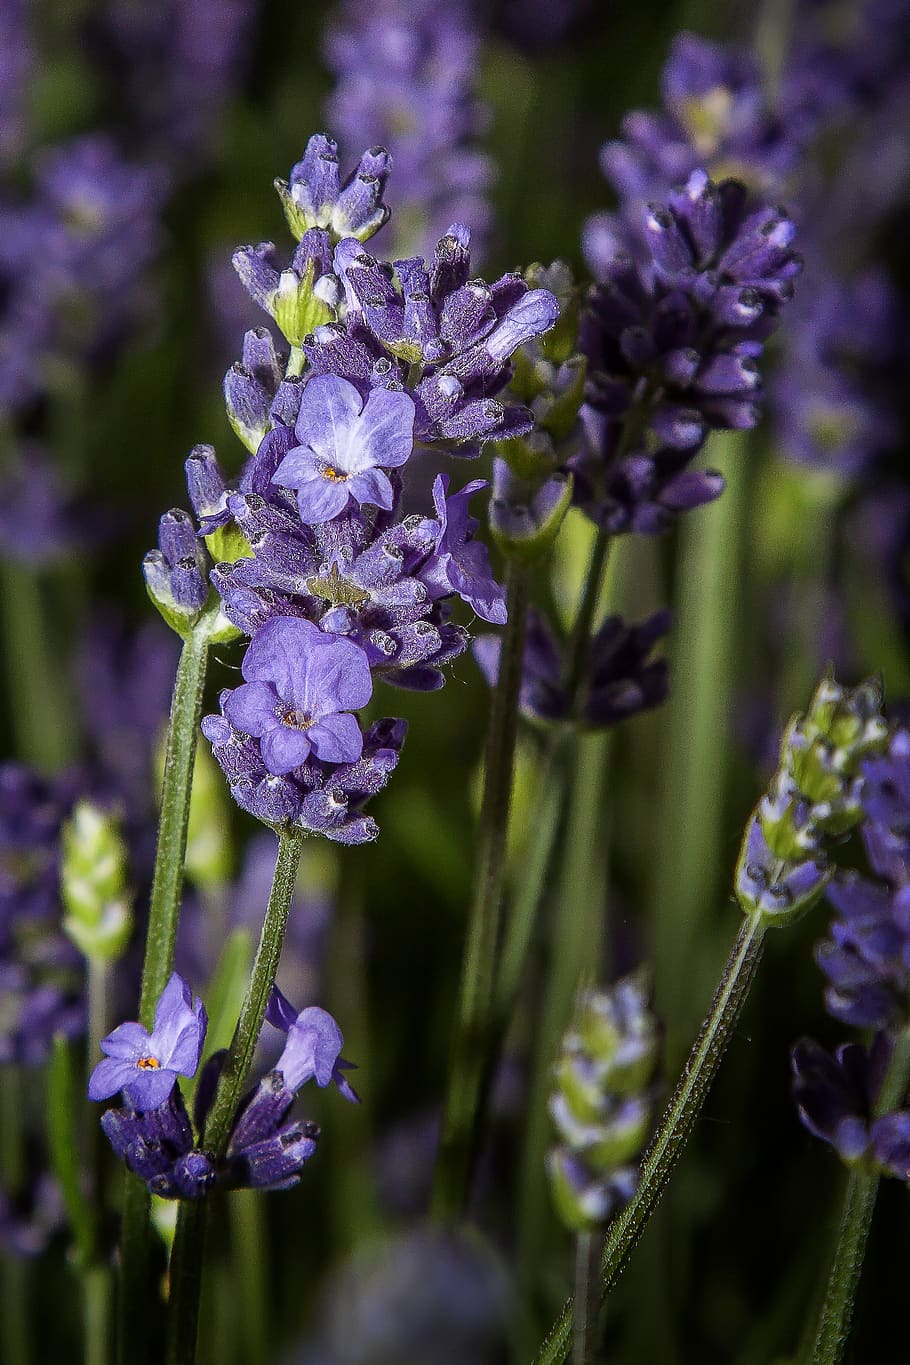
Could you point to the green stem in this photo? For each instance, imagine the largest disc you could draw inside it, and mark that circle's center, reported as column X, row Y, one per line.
column 471, row 1051
column 249, row 1246
column 696, row 748
column 39, row 707
column 676, row 1124
column 836, row 1315
column 170, row 853
column 96, row 1303
column 164, row 912
column 187, row 1253
column 584, row 1337
column 15, row 1338
column 581, row 631
column 262, row 979
column 577, row 940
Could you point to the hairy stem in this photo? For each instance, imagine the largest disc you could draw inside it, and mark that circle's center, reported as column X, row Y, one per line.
column 676, row 1124
column 164, row 911
column 584, row 1336
column 470, row 1061
column 836, row 1316
column 187, row 1253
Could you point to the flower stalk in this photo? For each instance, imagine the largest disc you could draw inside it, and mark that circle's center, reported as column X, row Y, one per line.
column 470, row 1064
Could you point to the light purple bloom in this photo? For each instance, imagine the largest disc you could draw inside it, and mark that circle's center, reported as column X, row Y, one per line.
column 146, row 1065
column 300, row 684
column 461, row 564
column 313, row 1048
column 345, row 443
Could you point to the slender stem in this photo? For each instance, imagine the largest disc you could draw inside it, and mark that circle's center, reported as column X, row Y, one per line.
column 584, row 1337
column 262, row 979
column 164, row 911
column 39, row 713
column 187, row 1253
column 676, row 1124
column 836, row 1315
column 170, row 853
column 15, row 1338
column 577, row 938
column 581, row 630
column 469, row 1068
column 249, row 1247
column 185, row 1283
column 96, row 1303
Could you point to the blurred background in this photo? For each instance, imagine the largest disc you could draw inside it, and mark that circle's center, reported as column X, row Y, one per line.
column 137, row 148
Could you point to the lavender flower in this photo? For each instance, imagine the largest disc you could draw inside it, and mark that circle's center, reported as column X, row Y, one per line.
column 867, row 958
column 673, row 344
column 176, row 573
column 407, row 74
column 619, row 678
column 164, row 1147
column 174, row 66
column 837, row 1096
column 346, row 445
column 40, row 970
column 146, row 1065
column 602, row 1102
column 316, row 197
column 313, row 1047
column 300, row 684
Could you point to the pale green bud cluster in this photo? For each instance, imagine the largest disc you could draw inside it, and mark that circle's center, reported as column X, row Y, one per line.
column 813, row 798
column 93, row 881
column 602, row 1104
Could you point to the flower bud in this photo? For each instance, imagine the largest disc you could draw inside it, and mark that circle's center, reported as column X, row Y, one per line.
column 97, row 913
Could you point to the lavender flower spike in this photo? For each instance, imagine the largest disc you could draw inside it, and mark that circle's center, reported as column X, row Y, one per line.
column 300, row 685
column 146, row 1065
column 344, row 446
column 313, row 1048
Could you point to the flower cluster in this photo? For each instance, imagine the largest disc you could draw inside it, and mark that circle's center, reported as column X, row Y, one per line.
column 153, row 1132
column 814, row 798
column 72, row 262
column 619, row 677
column 173, row 67
column 603, row 1102
column 334, row 585
column 407, row 73
column 838, row 1100
column 673, row 340
column 40, row 970
column 867, row 958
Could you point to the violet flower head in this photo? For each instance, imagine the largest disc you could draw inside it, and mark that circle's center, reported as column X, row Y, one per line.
column 836, row 1095
column 867, row 957
column 313, row 1047
column 146, row 1065
column 316, row 197
column 460, row 564
column 300, row 687
column 406, row 74
column 346, row 444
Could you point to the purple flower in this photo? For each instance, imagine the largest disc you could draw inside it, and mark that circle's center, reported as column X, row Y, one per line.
column 313, row 1047
column 345, row 445
column 407, row 74
column 146, row 1065
column 836, row 1095
column 459, row 563
column 300, row 686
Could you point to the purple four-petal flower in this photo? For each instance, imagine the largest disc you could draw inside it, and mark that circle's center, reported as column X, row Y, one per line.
column 345, row 444
column 300, row 683
column 313, row 1048
column 146, row 1065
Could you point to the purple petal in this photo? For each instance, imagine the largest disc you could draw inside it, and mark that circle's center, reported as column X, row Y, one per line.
column 321, row 500
column 386, row 428
column 337, row 739
column 108, row 1077
column 371, row 486
column 149, row 1089
column 127, row 1042
column 284, row 749
column 337, row 678
column 328, row 415
column 280, row 1012
column 251, row 707
column 277, row 651
column 298, row 467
